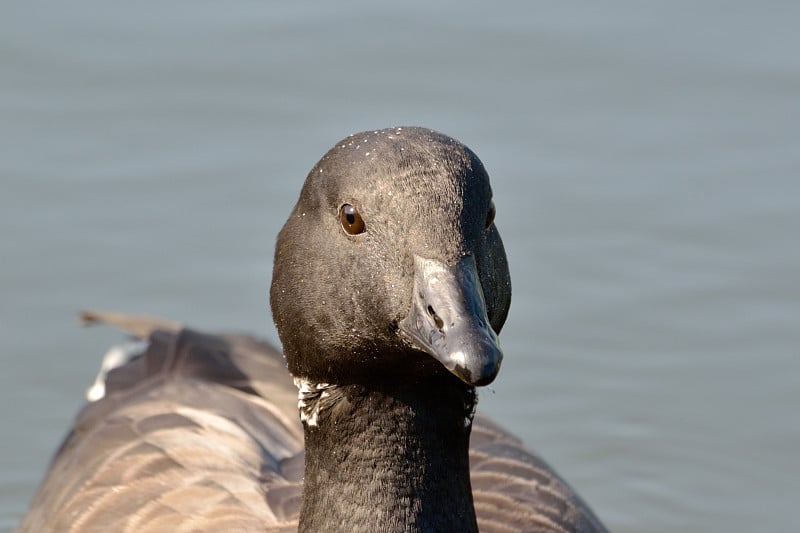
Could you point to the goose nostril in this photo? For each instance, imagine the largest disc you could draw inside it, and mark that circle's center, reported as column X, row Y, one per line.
column 436, row 319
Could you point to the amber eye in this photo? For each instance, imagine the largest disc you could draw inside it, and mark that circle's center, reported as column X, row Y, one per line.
column 490, row 214
column 352, row 223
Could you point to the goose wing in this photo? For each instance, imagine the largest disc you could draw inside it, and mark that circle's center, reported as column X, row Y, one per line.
column 196, row 433
column 516, row 490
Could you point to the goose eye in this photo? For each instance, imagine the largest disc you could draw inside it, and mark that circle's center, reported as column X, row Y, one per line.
column 352, row 223
column 490, row 215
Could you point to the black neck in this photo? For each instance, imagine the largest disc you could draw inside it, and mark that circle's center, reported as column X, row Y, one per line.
column 389, row 458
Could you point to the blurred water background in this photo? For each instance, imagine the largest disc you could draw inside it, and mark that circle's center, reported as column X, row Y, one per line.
column 644, row 157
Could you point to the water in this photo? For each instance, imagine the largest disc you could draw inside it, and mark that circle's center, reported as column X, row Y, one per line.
column 645, row 161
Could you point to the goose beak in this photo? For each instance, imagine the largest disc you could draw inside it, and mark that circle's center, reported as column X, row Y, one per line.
column 448, row 320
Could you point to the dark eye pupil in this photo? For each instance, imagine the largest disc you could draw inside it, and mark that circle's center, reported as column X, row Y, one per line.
column 351, row 218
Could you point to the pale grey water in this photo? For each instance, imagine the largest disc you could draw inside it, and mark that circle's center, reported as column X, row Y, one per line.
column 645, row 160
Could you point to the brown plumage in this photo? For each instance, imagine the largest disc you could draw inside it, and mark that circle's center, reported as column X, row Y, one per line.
column 201, row 433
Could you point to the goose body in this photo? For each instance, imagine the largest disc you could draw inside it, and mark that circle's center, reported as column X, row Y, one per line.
column 389, row 289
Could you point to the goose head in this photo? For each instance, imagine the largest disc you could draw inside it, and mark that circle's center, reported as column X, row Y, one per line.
column 390, row 266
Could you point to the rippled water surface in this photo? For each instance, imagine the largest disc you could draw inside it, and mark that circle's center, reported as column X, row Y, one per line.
column 644, row 157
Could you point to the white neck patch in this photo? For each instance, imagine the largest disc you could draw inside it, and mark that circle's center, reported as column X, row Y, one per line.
column 309, row 396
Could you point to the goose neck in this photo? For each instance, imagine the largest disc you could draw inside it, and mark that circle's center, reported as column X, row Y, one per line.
column 387, row 458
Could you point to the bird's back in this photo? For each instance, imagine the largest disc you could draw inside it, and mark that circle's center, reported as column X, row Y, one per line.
column 201, row 432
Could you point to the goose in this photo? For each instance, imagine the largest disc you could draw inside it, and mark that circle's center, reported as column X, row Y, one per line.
column 390, row 287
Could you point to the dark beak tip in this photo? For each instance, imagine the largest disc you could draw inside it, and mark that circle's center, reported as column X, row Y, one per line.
column 483, row 380
column 480, row 374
